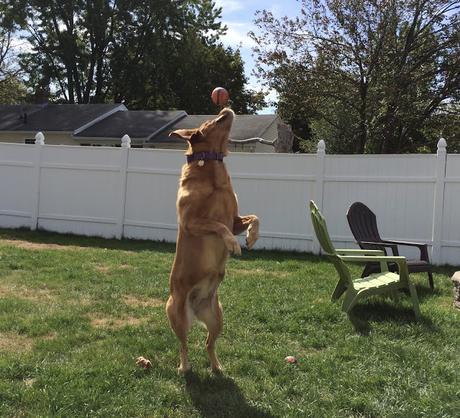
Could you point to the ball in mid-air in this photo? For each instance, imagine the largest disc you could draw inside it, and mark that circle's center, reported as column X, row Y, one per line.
column 220, row 96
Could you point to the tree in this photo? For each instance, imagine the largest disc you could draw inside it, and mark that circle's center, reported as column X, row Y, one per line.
column 12, row 90
column 150, row 54
column 368, row 75
column 70, row 40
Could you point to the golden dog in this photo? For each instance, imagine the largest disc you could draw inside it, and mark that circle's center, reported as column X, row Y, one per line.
column 208, row 219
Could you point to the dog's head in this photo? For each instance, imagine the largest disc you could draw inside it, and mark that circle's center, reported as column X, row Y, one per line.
column 211, row 136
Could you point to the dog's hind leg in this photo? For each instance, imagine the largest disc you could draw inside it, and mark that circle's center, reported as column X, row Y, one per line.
column 211, row 315
column 180, row 319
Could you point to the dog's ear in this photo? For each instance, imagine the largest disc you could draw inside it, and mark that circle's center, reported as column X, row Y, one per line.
column 190, row 135
column 183, row 133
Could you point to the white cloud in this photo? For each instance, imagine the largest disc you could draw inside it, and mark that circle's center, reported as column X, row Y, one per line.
column 230, row 6
column 237, row 35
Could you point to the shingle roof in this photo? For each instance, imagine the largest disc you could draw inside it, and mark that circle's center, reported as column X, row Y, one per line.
column 135, row 123
column 13, row 115
column 54, row 117
column 244, row 126
column 108, row 121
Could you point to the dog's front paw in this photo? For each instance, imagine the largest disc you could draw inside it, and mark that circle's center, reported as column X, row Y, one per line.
column 233, row 245
column 253, row 234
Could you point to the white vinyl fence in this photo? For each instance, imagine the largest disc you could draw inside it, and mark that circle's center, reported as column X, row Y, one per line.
column 127, row 192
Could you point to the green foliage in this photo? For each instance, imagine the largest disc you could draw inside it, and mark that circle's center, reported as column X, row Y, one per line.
column 160, row 54
column 368, row 76
column 12, row 91
column 75, row 314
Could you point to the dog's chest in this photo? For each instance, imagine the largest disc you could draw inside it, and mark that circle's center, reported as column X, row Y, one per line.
column 208, row 192
column 221, row 204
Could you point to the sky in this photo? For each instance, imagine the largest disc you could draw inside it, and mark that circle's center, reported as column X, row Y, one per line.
column 238, row 16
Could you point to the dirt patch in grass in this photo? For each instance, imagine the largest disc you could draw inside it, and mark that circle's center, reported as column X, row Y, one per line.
column 257, row 272
column 10, row 341
column 13, row 342
column 137, row 301
column 106, row 269
column 28, row 245
column 101, row 268
column 125, row 267
column 22, row 292
column 109, row 322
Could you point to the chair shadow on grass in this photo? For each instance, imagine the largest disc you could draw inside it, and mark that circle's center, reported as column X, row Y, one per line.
column 219, row 396
column 378, row 310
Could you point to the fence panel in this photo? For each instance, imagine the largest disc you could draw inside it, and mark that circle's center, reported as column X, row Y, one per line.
column 79, row 190
column 115, row 192
column 395, row 187
column 450, row 244
column 17, row 174
column 276, row 187
column 153, row 178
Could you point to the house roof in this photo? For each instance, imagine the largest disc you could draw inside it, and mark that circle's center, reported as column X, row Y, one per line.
column 109, row 121
column 53, row 117
column 135, row 123
column 12, row 115
column 244, row 127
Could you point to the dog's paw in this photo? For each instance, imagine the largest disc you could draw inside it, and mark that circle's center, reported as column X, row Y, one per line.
column 236, row 248
column 252, row 235
column 233, row 245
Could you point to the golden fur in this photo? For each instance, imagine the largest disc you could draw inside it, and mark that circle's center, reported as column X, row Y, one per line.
column 208, row 219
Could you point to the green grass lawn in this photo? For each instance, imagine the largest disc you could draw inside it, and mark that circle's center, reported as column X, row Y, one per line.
column 76, row 312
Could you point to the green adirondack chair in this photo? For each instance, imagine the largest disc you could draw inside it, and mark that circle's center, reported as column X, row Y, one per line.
column 374, row 284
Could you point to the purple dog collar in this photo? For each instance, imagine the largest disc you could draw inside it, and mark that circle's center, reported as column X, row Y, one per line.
column 204, row 156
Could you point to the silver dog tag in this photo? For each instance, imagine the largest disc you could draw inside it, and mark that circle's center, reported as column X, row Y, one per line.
column 201, row 163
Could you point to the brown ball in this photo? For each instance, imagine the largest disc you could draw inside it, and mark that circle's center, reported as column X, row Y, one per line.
column 220, row 96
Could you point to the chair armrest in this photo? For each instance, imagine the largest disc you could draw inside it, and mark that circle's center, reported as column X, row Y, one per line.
column 400, row 260
column 421, row 246
column 367, row 258
column 382, row 244
column 346, row 251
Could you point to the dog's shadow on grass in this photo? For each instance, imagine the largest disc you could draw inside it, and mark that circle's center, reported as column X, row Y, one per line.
column 219, row 396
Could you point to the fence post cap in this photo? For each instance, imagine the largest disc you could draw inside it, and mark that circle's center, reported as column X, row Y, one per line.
column 126, row 141
column 321, row 146
column 40, row 138
column 442, row 143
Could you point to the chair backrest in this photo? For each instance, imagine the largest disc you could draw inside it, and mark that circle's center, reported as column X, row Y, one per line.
column 363, row 223
column 319, row 224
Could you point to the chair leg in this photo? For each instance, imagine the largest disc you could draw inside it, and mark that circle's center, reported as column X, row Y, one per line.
column 350, row 300
column 338, row 291
column 368, row 269
column 430, row 279
column 414, row 297
column 395, row 296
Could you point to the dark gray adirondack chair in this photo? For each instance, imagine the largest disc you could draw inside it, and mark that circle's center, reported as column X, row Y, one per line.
column 363, row 225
